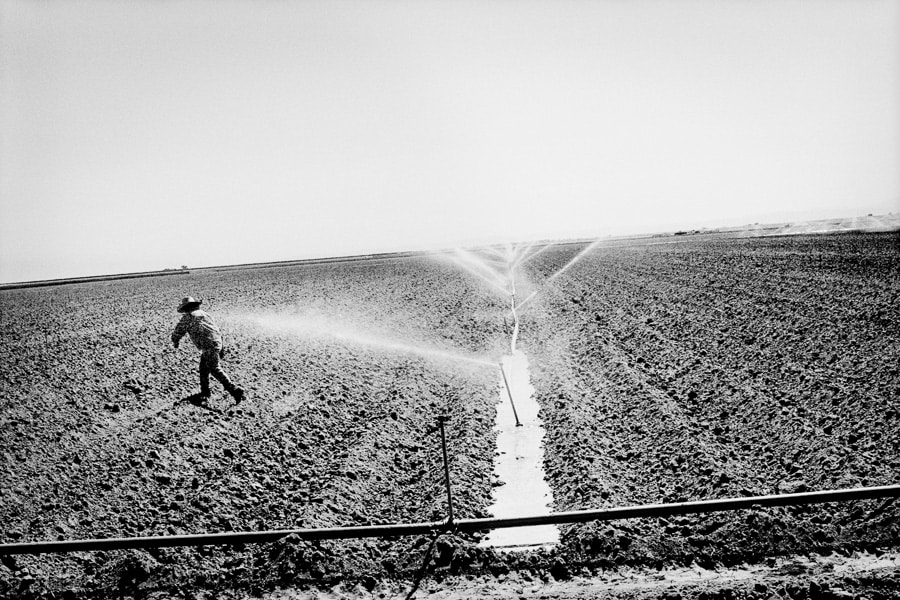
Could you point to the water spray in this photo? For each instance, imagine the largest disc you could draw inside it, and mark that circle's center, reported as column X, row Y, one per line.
column 328, row 330
column 574, row 260
column 512, row 296
column 559, row 272
column 480, row 267
column 527, row 300
column 524, row 259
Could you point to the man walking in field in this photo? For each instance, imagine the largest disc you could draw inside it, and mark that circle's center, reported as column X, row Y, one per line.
column 207, row 337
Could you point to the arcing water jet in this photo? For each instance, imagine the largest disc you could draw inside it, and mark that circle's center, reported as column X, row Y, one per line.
column 574, row 260
column 320, row 328
column 478, row 267
column 564, row 268
column 525, row 259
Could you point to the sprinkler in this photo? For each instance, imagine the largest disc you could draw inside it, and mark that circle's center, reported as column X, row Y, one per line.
column 441, row 420
column 509, row 392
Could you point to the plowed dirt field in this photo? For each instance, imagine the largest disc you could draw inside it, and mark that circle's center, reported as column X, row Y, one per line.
column 667, row 369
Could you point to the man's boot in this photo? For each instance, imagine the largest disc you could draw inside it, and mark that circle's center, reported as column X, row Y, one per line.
column 200, row 399
column 237, row 393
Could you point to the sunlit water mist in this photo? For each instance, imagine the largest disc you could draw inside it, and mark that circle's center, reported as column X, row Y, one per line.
column 480, row 268
column 574, row 260
column 525, row 258
column 523, row 253
column 326, row 329
column 562, row 270
column 500, row 255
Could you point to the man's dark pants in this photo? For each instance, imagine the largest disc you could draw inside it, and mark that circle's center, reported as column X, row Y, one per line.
column 209, row 364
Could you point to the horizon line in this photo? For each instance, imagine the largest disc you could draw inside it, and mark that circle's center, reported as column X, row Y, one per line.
column 184, row 270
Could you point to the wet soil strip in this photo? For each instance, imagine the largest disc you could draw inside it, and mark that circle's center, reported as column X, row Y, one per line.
column 520, row 464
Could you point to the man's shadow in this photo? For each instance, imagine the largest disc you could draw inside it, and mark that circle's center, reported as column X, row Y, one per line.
column 200, row 402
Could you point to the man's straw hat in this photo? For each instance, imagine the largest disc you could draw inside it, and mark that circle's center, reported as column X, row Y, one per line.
column 188, row 304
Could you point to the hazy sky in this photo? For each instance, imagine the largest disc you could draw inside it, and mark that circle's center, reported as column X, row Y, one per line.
column 144, row 135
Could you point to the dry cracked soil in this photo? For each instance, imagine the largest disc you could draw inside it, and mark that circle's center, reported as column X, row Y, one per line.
column 667, row 369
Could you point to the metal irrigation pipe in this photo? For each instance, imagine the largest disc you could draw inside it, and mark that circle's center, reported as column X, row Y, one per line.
column 682, row 508
column 462, row 525
column 219, row 539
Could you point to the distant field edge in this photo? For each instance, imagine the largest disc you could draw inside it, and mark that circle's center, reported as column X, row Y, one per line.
column 284, row 263
column 769, row 230
column 90, row 279
column 218, row 268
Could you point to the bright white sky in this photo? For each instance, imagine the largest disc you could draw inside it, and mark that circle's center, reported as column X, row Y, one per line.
column 143, row 135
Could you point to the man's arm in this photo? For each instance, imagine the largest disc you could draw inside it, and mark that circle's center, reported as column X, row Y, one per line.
column 180, row 330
